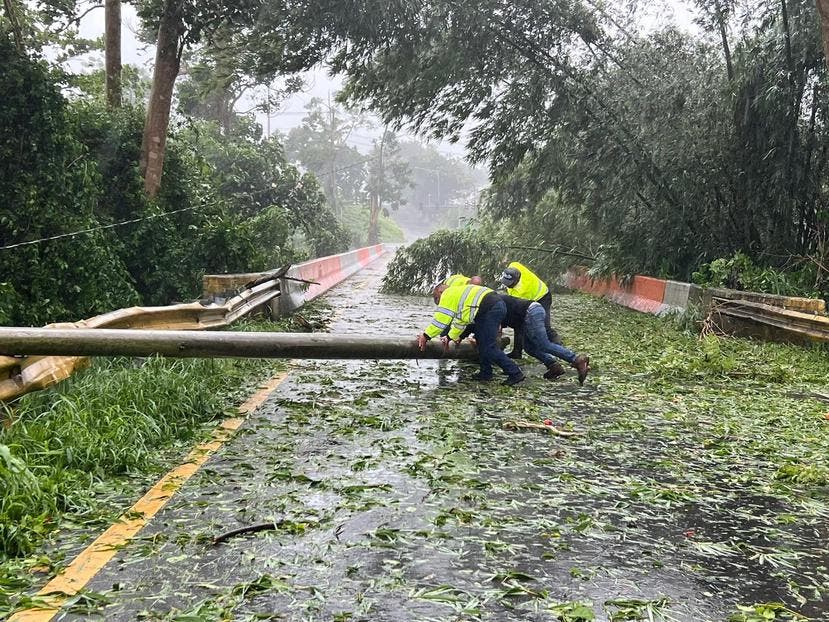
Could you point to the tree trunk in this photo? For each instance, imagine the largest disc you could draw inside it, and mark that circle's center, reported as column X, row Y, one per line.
column 823, row 11
column 729, row 67
column 112, row 27
column 376, row 197
column 373, row 218
column 17, row 31
column 167, row 64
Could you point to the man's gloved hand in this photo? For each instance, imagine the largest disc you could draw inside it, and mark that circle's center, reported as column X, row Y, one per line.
column 421, row 341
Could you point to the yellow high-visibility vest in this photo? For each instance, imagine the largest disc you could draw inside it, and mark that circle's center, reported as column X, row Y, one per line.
column 529, row 286
column 456, row 308
column 456, row 279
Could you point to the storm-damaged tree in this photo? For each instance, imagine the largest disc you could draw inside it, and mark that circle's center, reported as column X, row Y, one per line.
column 672, row 157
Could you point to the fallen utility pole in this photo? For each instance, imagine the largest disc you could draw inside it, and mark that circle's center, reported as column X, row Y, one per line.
column 192, row 344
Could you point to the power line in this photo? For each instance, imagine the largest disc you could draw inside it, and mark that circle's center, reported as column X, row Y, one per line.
column 99, row 228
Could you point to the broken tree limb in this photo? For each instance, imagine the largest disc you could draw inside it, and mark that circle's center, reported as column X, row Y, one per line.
column 189, row 344
column 272, row 526
column 558, row 250
column 530, row 425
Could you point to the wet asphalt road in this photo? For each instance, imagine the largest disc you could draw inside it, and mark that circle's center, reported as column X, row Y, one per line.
column 398, row 497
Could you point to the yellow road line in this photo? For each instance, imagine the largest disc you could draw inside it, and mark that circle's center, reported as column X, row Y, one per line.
column 92, row 559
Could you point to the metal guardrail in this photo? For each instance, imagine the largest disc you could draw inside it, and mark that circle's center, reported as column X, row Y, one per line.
column 775, row 322
column 21, row 375
column 24, row 374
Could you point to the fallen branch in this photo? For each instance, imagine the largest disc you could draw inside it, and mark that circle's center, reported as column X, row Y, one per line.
column 823, row 397
column 529, row 425
column 243, row 530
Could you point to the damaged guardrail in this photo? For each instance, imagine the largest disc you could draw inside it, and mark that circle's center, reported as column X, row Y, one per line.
column 755, row 319
column 24, row 374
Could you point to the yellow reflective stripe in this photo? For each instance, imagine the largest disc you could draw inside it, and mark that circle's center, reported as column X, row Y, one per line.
column 467, row 316
column 440, row 320
column 466, row 291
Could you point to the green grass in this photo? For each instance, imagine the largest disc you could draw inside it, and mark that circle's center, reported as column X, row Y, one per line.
column 67, row 451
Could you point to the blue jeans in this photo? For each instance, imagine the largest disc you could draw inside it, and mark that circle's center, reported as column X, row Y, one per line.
column 537, row 344
column 486, row 333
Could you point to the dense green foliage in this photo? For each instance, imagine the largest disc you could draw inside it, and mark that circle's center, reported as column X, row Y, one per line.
column 484, row 251
column 418, row 266
column 49, row 186
column 228, row 203
column 740, row 272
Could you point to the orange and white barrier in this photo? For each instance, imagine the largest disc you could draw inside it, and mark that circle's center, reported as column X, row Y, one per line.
column 658, row 296
column 642, row 293
column 325, row 273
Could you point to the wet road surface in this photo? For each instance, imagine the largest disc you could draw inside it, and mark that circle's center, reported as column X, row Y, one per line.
column 398, row 496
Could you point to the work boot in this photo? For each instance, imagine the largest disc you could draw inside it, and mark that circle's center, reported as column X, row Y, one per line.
column 514, row 355
column 582, row 365
column 514, row 379
column 481, row 378
column 554, row 370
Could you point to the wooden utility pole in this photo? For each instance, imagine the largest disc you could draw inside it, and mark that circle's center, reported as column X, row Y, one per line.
column 112, row 52
column 376, row 196
column 210, row 344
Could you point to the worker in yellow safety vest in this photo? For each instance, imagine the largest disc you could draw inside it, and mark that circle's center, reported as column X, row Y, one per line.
column 522, row 282
column 460, row 306
column 460, row 279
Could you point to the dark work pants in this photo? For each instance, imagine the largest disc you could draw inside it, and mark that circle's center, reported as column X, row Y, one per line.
column 486, row 334
column 545, row 301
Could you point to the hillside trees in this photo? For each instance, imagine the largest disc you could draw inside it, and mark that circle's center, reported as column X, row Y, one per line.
column 320, row 144
column 79, row 234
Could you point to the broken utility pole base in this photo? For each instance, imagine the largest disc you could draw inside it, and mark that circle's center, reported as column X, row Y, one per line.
column 190, row 344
